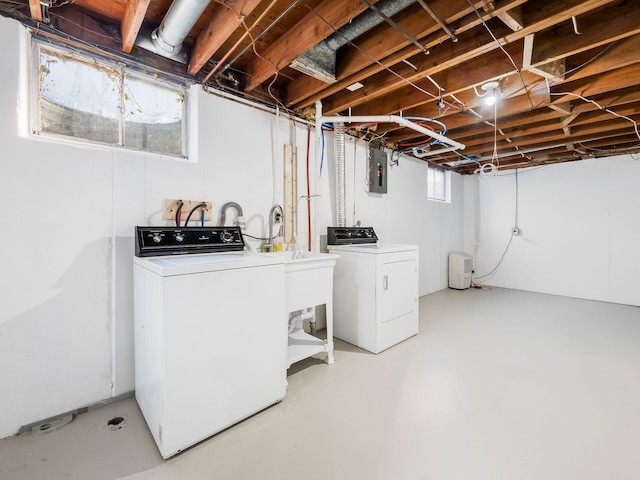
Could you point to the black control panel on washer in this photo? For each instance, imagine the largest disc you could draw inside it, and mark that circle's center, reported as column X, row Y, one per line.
column 154, row 241
column 350, row 235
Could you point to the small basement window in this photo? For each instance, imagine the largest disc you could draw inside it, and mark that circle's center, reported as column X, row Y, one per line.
column 93, row 100
column 438, row 184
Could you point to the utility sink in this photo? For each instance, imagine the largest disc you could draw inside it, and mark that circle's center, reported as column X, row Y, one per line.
column 308, row 278
column 295, row 261
column 308, row 283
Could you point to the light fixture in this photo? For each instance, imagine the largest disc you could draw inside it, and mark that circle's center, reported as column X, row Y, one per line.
column 355, row 86
column 491, row 92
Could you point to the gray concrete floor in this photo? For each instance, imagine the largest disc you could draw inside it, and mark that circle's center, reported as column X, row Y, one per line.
column 499, row 384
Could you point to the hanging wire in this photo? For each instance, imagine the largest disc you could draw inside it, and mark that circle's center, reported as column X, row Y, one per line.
column 502, row 48
column 223, row 59
column 241, row 19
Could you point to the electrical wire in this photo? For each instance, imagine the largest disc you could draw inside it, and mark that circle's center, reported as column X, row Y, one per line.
column 261, row 34
column 500, row 262
column 179, row 212
column 241, row 19
column 595, row 57
column 256, row 238
column 513, row 230
column 600, row 107
column 200, row 205
column 503, row 49
column 611, row 150
column 229, row 51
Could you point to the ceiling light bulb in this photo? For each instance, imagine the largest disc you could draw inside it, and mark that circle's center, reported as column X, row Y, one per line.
column 492, row 91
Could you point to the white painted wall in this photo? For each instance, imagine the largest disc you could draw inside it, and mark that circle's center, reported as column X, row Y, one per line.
column 66, row 316
column 579, row 229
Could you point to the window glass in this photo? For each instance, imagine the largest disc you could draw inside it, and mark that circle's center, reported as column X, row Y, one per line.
column 438, row 184
column 77, row 99
column 153, row 116
column 86, row 99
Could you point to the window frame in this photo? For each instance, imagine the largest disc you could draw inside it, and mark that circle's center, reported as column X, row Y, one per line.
column 124, row 70
column 446, row 181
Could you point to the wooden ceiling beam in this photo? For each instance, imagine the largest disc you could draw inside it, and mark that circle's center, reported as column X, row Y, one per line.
column 609, row 81
column 600, row 28
column 623, row 144
column 132, row 19
column 309, row 31
column 620, row 54
column 381, row 85
column 606, row 129
column 35, row 10
column 609, row 129
column 514, row 18
column 515, row 112
column 354, row 66
column 534, row 129
column 566, row 121
column 466, row 49
column 383, row 42
column 224, row 22
column 564, row 108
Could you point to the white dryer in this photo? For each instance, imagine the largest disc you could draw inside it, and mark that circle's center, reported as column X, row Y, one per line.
column 375, row 289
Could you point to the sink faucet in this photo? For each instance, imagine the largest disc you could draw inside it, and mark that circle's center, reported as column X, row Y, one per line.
column 275, row 210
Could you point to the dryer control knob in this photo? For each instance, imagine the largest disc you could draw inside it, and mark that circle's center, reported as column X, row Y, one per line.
column 226, row 237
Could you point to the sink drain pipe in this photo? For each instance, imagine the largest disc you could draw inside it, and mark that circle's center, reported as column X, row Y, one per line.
column 297, row 318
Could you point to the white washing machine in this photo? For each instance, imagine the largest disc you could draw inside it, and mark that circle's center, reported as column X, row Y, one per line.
column 375, row 289
column 210, row 339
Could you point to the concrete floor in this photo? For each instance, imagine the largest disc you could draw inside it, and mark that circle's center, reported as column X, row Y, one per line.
column 499, row 384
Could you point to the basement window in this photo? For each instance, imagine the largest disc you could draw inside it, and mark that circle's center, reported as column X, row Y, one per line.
column 438, row 185
column 95, row 101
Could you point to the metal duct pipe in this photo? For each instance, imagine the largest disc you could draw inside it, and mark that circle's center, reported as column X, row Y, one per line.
column 177, row 24
column 341, row 176
column 320, row 61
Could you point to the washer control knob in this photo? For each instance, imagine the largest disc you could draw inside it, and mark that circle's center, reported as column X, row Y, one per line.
column 179, row 237
column 157, row 238
column 226, row 237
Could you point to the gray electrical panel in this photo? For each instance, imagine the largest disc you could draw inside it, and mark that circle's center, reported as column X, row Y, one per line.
column 377, row 170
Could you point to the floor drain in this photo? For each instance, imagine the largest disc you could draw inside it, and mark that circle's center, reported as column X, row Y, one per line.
column 116, row 423
column 51, row 425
